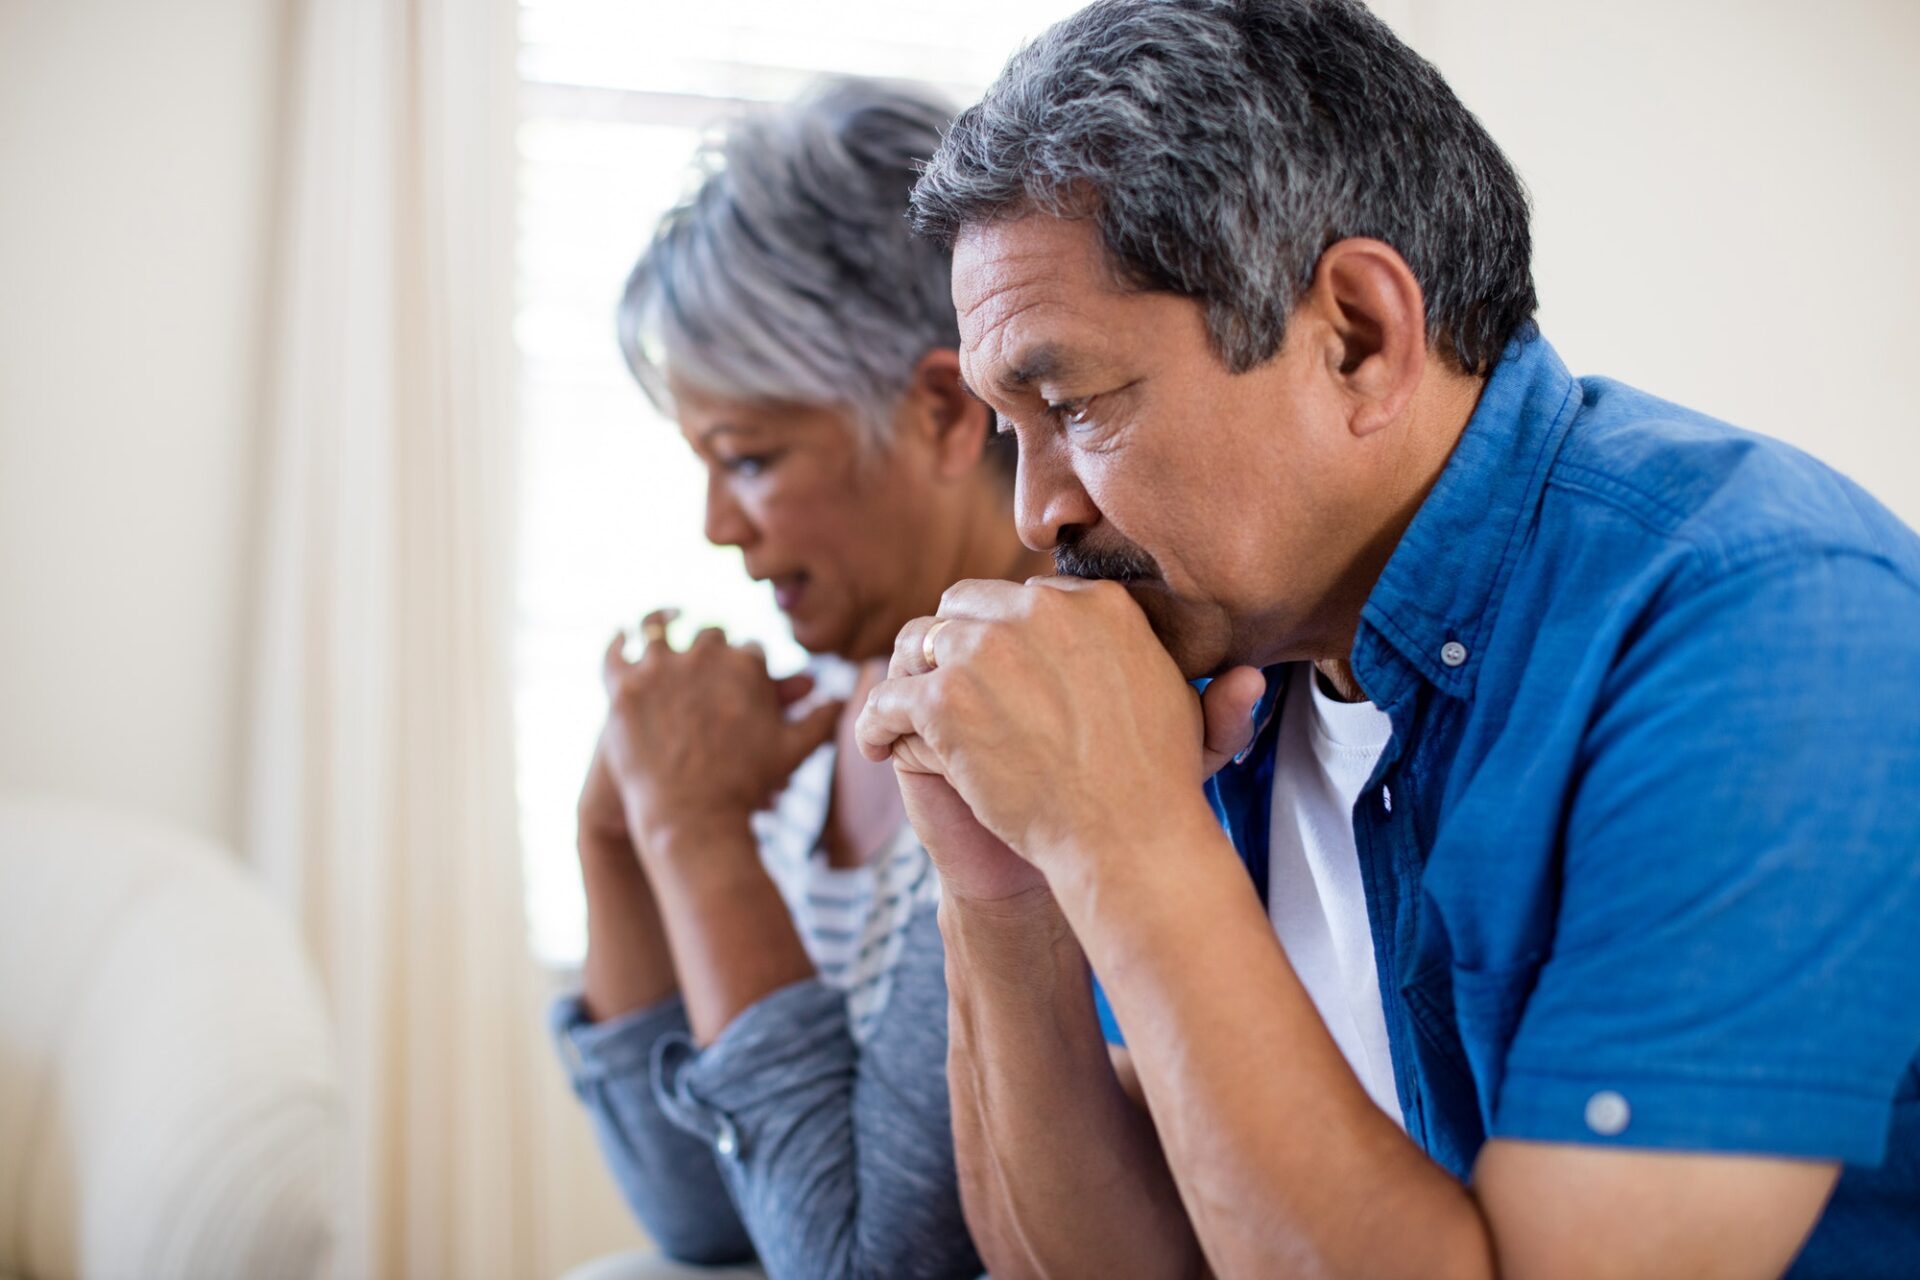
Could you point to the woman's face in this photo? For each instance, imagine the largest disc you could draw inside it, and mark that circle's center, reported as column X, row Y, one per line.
column 851, row 544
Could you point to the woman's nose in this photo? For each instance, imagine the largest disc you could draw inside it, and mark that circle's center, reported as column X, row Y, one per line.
column 727, row 524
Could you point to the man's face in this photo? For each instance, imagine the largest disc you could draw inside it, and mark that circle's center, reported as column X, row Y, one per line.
column 1224, row 500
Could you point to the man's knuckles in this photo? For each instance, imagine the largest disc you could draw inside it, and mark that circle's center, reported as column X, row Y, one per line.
column 974, row 598
column 1101, row 598
column 983, row 644
column 906, row 647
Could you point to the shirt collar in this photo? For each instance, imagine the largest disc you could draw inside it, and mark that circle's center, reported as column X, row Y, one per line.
column 1436, row 602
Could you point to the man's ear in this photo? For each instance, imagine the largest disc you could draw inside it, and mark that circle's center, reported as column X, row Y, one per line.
column 1375, row 318
column 952, row 422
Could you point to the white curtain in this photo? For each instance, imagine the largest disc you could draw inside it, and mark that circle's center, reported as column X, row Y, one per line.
column 381, row 801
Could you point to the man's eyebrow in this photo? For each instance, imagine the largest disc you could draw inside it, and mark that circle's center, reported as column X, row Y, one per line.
column 1044, row 361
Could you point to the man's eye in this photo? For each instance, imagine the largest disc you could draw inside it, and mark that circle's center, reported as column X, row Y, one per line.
column 1070, row 413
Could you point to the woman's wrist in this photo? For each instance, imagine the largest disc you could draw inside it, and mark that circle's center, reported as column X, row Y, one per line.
column 680, row 835
column 606, row 850
column 701, row 854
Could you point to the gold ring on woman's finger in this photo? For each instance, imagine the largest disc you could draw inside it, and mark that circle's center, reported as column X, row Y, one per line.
column 926, row 643
column 653, row 631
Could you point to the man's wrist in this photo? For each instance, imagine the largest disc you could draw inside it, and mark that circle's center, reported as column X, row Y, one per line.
column 1031, row 912
column 1005, row 937
column 1135, row 847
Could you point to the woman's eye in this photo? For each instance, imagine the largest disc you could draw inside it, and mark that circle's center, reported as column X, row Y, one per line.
column 747, row 465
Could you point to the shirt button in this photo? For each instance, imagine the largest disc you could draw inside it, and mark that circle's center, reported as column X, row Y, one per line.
column 1453, row 653
column 727, row 1140
column 1608, row 1113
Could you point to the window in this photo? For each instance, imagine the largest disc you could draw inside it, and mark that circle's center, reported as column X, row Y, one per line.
column 616, row 96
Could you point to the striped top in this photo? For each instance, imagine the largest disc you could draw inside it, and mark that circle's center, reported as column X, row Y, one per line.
column 851, row 920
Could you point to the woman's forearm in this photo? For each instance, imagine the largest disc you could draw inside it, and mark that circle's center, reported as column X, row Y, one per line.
column 731, row 938
column 628, row 964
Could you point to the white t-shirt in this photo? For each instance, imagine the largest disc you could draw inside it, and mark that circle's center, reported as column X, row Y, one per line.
column 1318, row 904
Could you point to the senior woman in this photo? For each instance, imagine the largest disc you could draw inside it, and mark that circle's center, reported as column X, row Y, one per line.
column 761, row 1033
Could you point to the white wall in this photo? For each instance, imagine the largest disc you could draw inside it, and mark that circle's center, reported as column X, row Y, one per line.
column 1726, row 196
column 135, row 165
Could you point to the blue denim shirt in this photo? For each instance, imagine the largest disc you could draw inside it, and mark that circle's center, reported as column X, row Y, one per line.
column 1642, row 859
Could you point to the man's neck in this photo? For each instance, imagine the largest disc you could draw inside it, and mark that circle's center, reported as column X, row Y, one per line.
column 1337, row 680
column 1443, row 406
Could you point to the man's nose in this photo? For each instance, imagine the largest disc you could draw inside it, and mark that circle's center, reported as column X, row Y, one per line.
column 1048, row 498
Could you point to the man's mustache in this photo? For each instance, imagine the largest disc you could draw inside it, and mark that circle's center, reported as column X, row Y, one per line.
column 1124, row 563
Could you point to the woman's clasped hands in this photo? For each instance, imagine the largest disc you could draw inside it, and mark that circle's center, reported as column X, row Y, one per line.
column 700, row 738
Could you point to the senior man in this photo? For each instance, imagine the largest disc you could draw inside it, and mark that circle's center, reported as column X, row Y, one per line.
column 1570, row 740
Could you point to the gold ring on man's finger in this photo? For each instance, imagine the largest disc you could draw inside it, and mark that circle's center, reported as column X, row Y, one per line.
column 926, row 643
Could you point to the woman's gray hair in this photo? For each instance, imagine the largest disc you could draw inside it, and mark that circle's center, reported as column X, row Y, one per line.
column 791, row 274
column 1220, row 146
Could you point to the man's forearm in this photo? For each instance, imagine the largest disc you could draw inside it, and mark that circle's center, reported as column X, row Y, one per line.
column 1060, row 1173
column 732, row 939
column 1283, row 1161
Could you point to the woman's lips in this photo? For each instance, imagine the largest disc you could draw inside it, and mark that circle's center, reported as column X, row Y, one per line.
column 788, row 590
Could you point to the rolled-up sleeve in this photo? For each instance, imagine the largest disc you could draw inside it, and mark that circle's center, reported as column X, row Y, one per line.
column 668, row 1176
column 839, row 1156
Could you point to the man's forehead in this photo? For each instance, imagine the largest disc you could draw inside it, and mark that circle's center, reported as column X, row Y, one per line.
column 1009, row 264
column 1024, row 353
column 1023, row 291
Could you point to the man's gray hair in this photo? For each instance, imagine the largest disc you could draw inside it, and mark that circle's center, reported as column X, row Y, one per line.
column 791, row 275
column 1221, row 146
